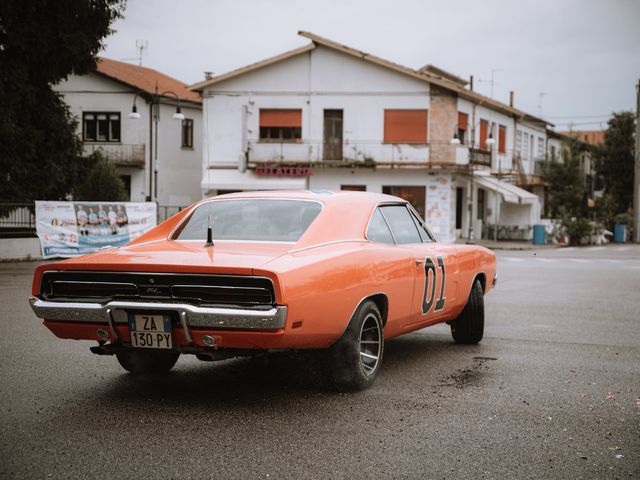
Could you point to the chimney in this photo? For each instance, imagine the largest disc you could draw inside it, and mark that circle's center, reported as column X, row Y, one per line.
column 511, row 98
column 471, row 83
column 208, row 75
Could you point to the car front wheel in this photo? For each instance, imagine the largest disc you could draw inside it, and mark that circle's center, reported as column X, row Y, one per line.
column 137, row 361
column 468, row 327
column 356, row 358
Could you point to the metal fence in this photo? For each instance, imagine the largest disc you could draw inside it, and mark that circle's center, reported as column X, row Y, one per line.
column 166, row 211
column 18, row 220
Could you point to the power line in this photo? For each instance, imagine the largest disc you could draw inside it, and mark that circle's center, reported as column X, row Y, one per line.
column 579, row 116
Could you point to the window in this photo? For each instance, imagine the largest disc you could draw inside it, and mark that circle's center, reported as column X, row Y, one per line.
column 187, row 133
column 100, row 127
column 481, row 204
column 402, row 225
column 518, row 141
column 251, row 220
column 405, row 126
column 354, row 188
column 459, row 202
column 525, row 146
column 378, row 230
column 540, row 147
column 280, row 125
column 502, row 139
column 425, row 236
column 414, row 195
column 484, row 134
column 463, row 124
column 553, row 153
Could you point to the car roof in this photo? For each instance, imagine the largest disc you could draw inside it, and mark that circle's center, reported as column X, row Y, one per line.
column 325, row 196
column 345, row 214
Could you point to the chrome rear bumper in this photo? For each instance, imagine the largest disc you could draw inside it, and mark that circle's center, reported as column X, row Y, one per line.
column 116, row 312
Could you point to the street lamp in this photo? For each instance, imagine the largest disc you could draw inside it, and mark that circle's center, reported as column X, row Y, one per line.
column 154, row 111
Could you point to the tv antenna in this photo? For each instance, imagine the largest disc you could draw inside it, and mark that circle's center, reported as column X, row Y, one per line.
column 141, row 47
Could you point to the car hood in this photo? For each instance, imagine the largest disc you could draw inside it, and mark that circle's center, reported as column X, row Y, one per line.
column 176, row 256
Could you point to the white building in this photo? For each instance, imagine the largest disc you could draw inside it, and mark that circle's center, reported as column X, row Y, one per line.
column 326, row 116
column 154, row 142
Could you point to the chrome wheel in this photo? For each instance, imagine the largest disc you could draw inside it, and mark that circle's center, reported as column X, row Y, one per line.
column 370, row 344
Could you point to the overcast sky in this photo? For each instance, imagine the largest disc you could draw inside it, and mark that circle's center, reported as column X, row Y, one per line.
column 584, row 55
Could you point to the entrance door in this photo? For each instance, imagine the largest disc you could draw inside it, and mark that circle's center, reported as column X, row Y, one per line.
column 332, row 147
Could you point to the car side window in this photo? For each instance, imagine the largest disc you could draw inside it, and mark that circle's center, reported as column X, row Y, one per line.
column 422, row 231
column 378, row 230
column 402, row 225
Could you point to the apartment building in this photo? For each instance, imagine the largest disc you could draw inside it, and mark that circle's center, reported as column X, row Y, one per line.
column 145, row 122
column 327, row 116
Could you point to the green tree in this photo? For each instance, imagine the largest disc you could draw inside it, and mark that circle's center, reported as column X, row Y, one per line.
column 101, row 183
column 41, row 43
column 565, row 182
column 614, row 163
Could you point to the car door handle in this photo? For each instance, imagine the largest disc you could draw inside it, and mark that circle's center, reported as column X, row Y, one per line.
column 420, row 262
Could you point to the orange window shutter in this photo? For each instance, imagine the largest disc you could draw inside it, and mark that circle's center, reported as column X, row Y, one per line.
column 405, row 126
column 502, row 139
column 463, row 121
column 280, row 117
column 484, row 133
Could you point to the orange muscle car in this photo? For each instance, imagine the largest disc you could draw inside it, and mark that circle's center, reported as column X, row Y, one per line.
column 245, row 273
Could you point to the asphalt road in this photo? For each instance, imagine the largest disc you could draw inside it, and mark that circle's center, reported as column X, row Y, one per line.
column 553, row 391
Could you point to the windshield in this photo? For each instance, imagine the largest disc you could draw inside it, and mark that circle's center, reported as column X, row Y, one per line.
column 264, row 220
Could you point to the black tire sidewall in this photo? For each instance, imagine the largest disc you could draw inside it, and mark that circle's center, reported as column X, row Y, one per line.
column 140, row 362
column 344, row 366
column 468, row 327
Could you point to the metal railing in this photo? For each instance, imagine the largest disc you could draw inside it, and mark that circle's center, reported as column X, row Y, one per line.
column 123, row 155
column 17, row 220
column 167, row 211
column 312, row 151
column 479, row 157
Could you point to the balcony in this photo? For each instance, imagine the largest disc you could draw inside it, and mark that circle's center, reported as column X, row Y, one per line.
column 311, row 152
column 121, row 155
column 479, row 157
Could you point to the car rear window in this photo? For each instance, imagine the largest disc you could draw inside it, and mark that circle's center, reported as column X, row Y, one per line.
column 263, row 220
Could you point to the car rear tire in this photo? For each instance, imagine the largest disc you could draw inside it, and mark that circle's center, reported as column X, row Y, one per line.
column 356, row 358
column 468, row 327
column 139, row 362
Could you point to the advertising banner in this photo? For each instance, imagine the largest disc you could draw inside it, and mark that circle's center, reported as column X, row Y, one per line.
column 70, row 229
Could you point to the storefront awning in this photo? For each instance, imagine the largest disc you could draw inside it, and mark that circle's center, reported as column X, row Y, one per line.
column 509, row 192
column 233, row 179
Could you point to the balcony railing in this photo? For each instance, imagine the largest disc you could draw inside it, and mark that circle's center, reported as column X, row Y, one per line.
column 122, row 155
column 479, row 157
column 310, row 151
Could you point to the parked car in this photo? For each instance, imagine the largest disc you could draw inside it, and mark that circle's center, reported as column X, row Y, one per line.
column 339, row 271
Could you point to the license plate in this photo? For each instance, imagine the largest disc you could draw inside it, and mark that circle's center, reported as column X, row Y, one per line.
column 150, row 331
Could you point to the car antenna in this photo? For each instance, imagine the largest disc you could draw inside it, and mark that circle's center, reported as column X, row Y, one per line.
column 209, row 228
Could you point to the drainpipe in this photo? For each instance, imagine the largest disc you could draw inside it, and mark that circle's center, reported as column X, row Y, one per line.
column 149, row 196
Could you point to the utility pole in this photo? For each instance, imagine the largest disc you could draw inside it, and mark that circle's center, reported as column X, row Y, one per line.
column 636, row 178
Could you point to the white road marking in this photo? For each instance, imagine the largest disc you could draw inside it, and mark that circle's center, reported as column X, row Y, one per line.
column 545, row 260
column 513, row 259
column 579, row 260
